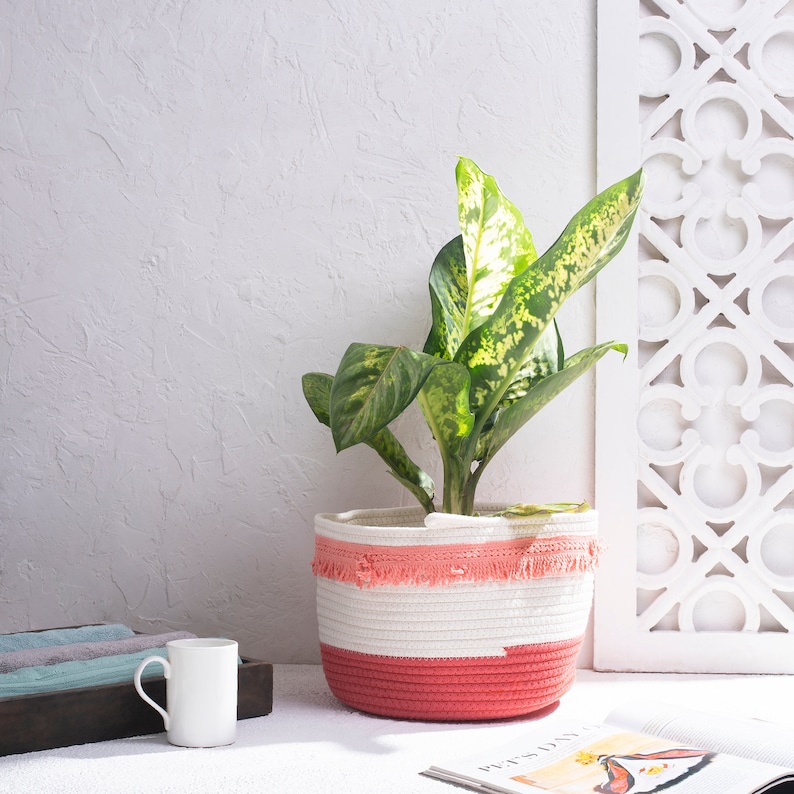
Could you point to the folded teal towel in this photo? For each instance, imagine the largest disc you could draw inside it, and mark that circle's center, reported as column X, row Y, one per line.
column 71, row 675
column 55, row 654
column 46, row 639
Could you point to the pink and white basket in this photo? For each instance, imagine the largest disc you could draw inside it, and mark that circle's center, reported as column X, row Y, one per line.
column 447, row 617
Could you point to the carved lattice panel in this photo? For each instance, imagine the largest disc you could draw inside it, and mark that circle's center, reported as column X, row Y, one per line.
column 712, row 565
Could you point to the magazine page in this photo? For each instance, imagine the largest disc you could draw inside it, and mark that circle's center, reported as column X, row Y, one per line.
column 573, row 757
column 749, row 738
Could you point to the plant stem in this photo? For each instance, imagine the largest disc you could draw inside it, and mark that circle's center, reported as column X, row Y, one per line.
column 469, row 491
column 455, row 481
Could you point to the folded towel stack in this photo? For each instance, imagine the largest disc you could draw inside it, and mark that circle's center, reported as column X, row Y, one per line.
column 83, row 651
column 71, row 675
column 46, row 639
column 72, row 658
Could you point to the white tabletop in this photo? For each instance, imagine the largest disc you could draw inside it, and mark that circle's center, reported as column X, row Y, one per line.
column 313, row 743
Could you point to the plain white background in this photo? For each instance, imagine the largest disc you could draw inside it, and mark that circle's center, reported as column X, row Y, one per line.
column 199, row 203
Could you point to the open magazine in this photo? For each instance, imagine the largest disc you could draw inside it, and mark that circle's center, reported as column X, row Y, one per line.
column 640, row 749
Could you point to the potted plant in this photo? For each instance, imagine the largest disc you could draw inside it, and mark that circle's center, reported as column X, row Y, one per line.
column 453, row 610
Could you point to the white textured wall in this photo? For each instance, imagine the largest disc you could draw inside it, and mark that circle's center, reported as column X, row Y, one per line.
column 201, row 201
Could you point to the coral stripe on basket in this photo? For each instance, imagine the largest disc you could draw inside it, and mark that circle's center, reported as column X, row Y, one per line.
column 528, row 679
column 497, row 561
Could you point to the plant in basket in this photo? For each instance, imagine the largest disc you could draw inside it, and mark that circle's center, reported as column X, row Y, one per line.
column 454, row 610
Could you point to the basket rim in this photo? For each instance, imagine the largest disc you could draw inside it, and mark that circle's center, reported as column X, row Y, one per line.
column 396, row 526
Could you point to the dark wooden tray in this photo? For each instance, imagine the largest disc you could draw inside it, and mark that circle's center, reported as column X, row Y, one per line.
column 111, row 711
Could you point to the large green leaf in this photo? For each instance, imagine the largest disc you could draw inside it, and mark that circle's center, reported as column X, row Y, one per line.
column 317, row 390
column 497, row 244
column 514, row 416
column 545, row 358
column 449, row 290
column 496, row 351
column 374, row 385
column 444, row 400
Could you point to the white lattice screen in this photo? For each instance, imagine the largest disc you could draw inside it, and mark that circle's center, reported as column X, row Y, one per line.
column 701, row 521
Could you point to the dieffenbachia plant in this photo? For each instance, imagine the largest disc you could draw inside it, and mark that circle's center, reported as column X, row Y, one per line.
column 494, row 356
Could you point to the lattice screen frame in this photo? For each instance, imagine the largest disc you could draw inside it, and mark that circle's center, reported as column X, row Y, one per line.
column 669, row 552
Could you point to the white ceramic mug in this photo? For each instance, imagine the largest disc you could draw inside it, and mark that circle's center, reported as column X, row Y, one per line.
column 201, row 691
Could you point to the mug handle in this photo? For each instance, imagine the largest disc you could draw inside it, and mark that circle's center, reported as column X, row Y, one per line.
column 139, row 686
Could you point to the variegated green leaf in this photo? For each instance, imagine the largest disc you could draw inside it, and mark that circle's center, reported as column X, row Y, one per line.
column 528, row 510
column 496, row 351
column 512, row 418
column 444, row 400
column 373, row 386
column 545, row 358
column 317, row 390
column 497, row 244
column 403, row 469
column 449, row 289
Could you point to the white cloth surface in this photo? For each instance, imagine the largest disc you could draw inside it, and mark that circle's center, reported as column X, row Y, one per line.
column 313, row 743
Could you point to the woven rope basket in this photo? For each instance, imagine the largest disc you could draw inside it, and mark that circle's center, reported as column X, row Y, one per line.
column 446, row 617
